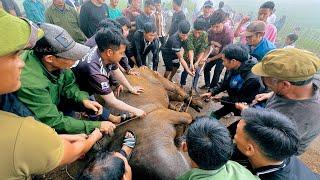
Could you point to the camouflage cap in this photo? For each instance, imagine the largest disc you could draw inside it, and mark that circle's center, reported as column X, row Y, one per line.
column 17, row 34
column 288, row 64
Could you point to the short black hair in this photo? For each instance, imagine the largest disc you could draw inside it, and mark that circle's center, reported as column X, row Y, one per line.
column 109, row 39
column 109, row 23
column 157, row 1
column 148, row 3
column 184, row 27
column 221, row 4
column 274, row 133
column 238, row 52
column 199, row 24
column 149, row 27
column 43, row 48
column 123, row 21
column 104, row 166
column 268, row 5
column 293, row 37
column 178, row 2
column 217, row 17
column 209, row 143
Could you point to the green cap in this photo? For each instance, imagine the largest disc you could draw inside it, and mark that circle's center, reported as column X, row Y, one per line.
column 16, row 33
column 289, row 64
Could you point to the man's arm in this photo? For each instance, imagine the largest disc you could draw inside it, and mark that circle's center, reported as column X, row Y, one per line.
column 112, row 101
column 40, row 103
column 138, row 49
column 184, row 63
column 118, row 75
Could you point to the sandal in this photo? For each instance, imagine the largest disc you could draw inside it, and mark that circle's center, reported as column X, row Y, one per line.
column 126, row 116
column 129, row 142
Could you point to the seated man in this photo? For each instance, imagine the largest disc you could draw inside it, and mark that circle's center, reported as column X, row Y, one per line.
column 27, row 146
column 143, row 42
column 289, row 74
column 47, row 82
column 171, row 51
column 240, row 83
column 209, row 146
column 258, row 45
column 270, row 140
column 94, row 70
column 194, row 48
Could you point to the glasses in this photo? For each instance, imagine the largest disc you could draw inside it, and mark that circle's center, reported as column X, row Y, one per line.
column 33, row 38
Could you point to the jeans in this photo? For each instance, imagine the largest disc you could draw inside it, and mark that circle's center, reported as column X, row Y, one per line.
column 217, row 72
column 195, row 80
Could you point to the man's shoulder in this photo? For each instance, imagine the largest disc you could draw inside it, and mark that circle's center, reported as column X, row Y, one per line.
column 90, row 63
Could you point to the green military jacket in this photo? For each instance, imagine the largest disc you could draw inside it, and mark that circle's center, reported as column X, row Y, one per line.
column 68, row 19
column 42, row 91
column 198, row 45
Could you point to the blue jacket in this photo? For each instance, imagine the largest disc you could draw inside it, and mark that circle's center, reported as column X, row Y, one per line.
column 261, row 49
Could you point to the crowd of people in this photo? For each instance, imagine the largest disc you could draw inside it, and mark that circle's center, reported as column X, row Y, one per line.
column 55, row 62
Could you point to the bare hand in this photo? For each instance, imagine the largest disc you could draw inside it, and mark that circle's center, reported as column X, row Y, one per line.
column 241, row 106
column 262, row 97
column 139, row 113
column 74, row 137
column 96, row 135
column 206, row 95
column 118, row 90
column 191, row 73
column 107, row 127
column 244, row 20
column 131, row 72
column 93, row 105
column 136, row 90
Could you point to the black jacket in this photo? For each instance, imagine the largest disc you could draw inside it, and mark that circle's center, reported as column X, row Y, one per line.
column 140, row 52
column 246, row 92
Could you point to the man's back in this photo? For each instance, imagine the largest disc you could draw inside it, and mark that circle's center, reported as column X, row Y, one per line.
column 305, row 113
column 291, row 169
column 27, row 147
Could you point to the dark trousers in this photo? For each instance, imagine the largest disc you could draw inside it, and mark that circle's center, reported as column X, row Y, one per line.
column 226, row 109
column 184, row 76
column 217, row 71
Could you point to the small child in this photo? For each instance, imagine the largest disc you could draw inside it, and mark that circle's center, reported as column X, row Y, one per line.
column 290, row 40
column 209, row 146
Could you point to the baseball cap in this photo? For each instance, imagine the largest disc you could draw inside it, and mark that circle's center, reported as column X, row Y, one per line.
column 255, row 27
column 62, row 43
column 17, row 33
column 208, row 4
column 289, row 64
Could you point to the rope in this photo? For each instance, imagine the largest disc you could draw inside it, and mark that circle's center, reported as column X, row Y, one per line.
column 189, row 104
column 71, row 177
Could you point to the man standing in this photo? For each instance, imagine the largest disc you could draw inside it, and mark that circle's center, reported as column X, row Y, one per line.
column 178, row 16
column 91, row 14
column 144, row 41
column 146, row 16
column 132, row 12
column 264, row 13
column 34, row 10
column 61, row 14
column 160, row 21
column 259, row 46
column 219, row 36
column 113, row 11
column 207, row 10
